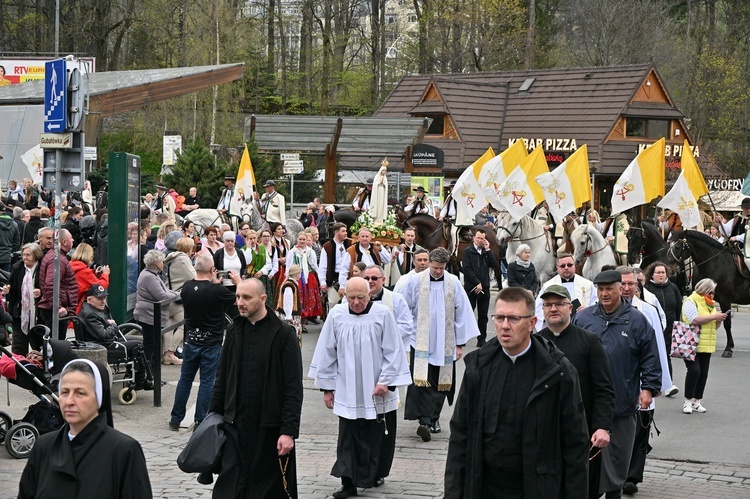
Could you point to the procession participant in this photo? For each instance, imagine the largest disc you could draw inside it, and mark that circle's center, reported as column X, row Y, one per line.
column 225, row 200
column 281, row 246
column 404, row 253
column 333, row 268
column 450, row 206
column 303, row 256
column 394, row 301
column 476, row 262
column 363, row 251
column 443, row 323
column 258, row 264
column 358, row 363
column 421, row 262
column 519, row 428
column 164, row 202
column 580, row 288
column 362, row 198
column 258, row 390
column 272, row 205
column 289, row 305
column 585, row 351
column 421, row 204
column 268, row 273
column 633, row 357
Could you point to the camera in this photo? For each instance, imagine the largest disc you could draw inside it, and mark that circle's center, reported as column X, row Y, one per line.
column 222, row 274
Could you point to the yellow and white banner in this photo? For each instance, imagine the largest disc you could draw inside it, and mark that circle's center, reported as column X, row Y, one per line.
column 692, row 172
column 520, row 192
column 244, row 188
column 496, row 170
column 642, row 180
column 680, row 199
column 467, row 193
column 568, row 186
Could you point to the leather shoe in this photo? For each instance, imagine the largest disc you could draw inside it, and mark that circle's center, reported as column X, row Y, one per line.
column 435, row 428
column 423, row 431
column 378, row 482
column 174, row 426
column 630, row 488
column 481, row 342
column 345, row 492
column 313, row 321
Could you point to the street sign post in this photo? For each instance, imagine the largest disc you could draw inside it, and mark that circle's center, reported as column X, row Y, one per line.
column 292, row 166
column 289, row 156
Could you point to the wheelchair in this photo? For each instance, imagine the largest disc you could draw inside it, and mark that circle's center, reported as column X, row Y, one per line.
column 130, row 369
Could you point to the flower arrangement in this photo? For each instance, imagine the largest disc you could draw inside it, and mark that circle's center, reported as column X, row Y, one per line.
column 388, row 229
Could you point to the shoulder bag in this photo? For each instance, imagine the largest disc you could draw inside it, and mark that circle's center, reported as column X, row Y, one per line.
column 685, row 339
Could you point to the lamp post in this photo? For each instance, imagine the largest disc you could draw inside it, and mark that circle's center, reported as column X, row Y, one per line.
column 593, row 167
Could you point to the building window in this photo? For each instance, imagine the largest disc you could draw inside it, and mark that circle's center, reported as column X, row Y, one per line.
column 412, row 18
column 391, row 20
column 437, row 125
column 645, row 128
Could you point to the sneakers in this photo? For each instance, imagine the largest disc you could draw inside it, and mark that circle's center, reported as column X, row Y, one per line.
column 423, row 431
column 435, row 428
column 687, row 407
column 697, row 407
column 672, row 391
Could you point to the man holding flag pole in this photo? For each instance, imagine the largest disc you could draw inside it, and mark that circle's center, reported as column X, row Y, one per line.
column 244, row 188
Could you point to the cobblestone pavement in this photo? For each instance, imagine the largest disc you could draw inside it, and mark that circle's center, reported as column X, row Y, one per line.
column 418, row 467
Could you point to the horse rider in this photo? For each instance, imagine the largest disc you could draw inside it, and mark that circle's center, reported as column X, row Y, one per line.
column 226, row 195
column 272, row 205
column 737, row 230
column 421, row 204
column 616, row 233
column 164, row 203
column 448, row 214
column 362, row 198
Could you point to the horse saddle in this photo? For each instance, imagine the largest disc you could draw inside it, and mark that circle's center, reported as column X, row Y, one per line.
column 464, row 234
column 741, row 264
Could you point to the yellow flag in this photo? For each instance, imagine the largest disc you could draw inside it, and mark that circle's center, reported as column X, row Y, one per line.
column 642, row 180
column 478, row 164
column 245, row 185
column 692, row 172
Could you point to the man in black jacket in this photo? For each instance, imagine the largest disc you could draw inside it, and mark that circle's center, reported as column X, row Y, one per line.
column 633, row 356
column 262, row 412
column 476, row 262
column 585, row 351
column 519, row 428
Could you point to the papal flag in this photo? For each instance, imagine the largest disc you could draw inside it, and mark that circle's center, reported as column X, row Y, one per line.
column 467, row 193
column 692, row 171
column 681, row 200
column 244, row 188
column 642, row 180
column 568, row 186
column 496, row 170
column 520, row 192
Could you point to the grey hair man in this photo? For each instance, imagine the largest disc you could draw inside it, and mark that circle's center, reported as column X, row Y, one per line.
column 68, row 285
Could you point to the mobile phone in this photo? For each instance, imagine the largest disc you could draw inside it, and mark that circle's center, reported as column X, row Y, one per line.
column 728, row 312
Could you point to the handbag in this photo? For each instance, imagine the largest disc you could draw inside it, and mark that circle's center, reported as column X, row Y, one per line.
column 685, row 339
column 202, row 454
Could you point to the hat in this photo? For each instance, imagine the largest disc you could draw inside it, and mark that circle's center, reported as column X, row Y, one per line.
column 420, row 189
column 608, row 277
column 97, row 291
column 161, row 186
column 745, row 203
column 453, row 183
column 557, row 290
column 230, row 177
column 369, row 181
column 269, row 183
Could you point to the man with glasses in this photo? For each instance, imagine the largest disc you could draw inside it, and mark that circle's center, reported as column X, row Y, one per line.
column 519, row 427
column 585, row 351
column 581, row 289
column 361, row 389
column 633, row 355
column 394, row 301
column 443, row 323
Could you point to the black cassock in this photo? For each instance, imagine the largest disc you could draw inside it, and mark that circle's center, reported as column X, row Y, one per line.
column 364, row 452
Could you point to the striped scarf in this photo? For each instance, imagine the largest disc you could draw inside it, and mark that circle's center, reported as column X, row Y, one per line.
column 422, row 349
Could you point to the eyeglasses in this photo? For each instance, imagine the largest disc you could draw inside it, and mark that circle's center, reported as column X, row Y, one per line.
column 557, row 305
column 565, row 265
column 513, row 319
column 371, row 278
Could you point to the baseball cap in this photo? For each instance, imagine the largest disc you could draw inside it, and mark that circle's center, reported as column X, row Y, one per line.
column 97, row 291
column 557, row 290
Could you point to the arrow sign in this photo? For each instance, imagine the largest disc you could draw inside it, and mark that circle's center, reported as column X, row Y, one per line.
column 289, row 156
column 297, row 164
column 55, row 96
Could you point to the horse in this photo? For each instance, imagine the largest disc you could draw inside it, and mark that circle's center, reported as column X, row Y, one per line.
column 591, row 251
column 711, row 259
column 204, row 217
column 516, row 232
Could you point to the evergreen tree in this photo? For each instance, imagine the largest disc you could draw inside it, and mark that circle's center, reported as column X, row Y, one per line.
column 195, row 167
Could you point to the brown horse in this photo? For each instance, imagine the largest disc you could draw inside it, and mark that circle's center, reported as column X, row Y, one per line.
column 432, row 233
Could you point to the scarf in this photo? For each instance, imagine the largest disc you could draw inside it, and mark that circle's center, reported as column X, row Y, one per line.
column 300, row 257
column 522, row 263
column 28, row 305
column 709, row 300
column 422, row 348
column 258, row 260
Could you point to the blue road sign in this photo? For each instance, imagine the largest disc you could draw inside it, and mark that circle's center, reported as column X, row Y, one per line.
column 55, row 96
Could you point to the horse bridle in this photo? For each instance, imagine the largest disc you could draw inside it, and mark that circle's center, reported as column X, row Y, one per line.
column 591, row 252
column 685, row 244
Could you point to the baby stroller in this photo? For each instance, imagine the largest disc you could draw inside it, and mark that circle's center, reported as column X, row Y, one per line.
column 129, row 366
column 36, row 376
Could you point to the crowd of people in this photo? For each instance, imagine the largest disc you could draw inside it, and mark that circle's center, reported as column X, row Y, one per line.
column 558, row 403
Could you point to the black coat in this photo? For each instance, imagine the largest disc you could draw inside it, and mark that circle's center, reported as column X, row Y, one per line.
column 521, row 276
column 96, row 325
column 555, row 438
column 17, row 273
column 476, row 268
column 99, row 462
column 31, row 229
column 219, row 260
column 670, row 299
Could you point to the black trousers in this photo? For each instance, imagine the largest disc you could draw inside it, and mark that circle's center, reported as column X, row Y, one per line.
column 697, row 375
column 481, row 303
column 641, row 446
column 45, row 315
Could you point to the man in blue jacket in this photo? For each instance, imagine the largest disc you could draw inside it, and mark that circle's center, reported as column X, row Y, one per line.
column 634, row 365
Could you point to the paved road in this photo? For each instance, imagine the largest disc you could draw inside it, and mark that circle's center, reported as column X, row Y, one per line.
column 714, row 462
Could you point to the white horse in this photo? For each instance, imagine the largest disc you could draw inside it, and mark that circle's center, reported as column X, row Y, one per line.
column 591, row 250
column 527, row 231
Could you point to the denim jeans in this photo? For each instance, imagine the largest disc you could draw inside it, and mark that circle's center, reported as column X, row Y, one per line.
column 194, row 357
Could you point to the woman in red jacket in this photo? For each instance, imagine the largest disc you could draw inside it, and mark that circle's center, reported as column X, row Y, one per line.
column 81, row 261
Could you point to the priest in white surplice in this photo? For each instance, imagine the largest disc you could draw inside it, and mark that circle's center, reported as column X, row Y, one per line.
column 443, row 323
column 358, row 363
